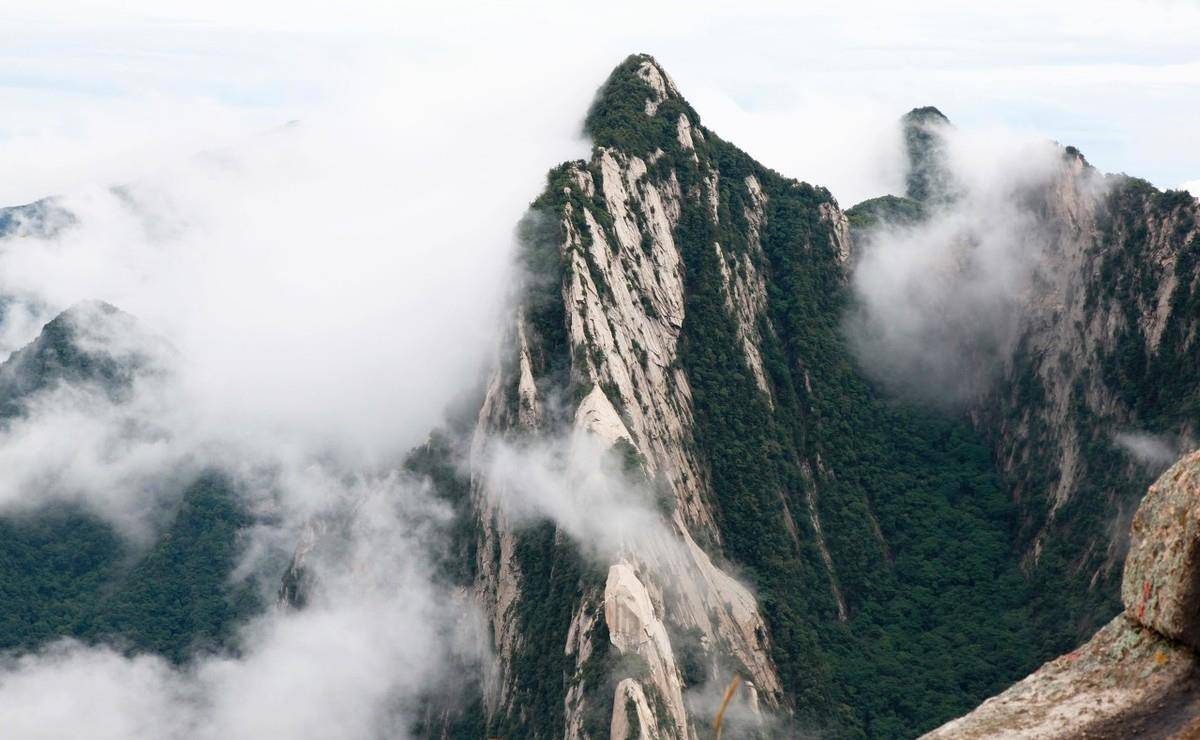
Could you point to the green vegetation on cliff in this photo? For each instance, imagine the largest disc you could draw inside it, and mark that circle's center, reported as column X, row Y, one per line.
column 1154, row 387
column 890, row 209
column 914, row 519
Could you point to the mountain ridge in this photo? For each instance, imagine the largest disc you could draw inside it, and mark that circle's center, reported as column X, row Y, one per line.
column 659, row 301
column 68, row 572
column 742, row 308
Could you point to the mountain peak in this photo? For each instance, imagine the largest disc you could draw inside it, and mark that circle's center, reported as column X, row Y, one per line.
column 925, row 115
column 636, row 107
column 91, row 343
column 929, row 178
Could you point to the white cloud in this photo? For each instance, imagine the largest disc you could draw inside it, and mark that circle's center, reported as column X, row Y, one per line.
column 939, row 302
column 335, row 282
column 108, row 695
column 327, row 288
column 577, row 483
column 378, row 634
column 1154, row 451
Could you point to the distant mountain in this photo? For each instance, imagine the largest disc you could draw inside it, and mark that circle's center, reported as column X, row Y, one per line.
column 41, row 219
column 93, row 345
column 66, row 572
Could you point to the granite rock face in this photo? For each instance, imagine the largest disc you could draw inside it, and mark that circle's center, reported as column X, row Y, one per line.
column 609, row 229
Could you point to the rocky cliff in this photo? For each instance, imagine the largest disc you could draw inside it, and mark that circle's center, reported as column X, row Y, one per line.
column 1107, row 353
column 594, row 349
column 1098, row 385
column 681, row 311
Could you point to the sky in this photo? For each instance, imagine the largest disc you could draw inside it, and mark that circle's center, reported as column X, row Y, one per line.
column 94, row 89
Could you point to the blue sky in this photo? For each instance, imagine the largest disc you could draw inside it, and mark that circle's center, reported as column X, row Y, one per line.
column 806, row 87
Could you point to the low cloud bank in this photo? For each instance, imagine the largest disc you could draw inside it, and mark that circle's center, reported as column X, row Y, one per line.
column 582, row 486
column 376, row 636
column 315, row 296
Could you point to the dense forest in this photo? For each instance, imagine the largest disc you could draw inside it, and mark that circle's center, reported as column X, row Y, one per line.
column 66, row 573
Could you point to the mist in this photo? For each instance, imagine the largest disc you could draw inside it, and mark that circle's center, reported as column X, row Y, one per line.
column 328, row 260
column 307, row 299
column 580, row 485
column 376, row 636
column 938, row 302
column 314, row 295
column 1154, row 451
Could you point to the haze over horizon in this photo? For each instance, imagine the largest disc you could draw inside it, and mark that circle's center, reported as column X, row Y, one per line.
column 809, row 90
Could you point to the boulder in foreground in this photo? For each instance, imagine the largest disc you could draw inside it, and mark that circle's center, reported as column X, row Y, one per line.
column 1161, row 586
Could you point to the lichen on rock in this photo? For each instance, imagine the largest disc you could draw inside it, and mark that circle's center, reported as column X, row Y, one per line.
column 1161, row 586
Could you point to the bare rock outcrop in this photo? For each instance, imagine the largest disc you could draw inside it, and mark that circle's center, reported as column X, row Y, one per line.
column 1124, row 672
column 632, row 706
column 635, row 629
column 621, row 289
column 1161, row 587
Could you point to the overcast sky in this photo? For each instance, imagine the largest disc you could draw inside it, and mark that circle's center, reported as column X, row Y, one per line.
column 96, row 89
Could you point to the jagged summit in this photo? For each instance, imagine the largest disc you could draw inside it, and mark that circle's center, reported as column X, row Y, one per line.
column 640, row 113
column 925, row 115
column 636, row 106
column 929, row 179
